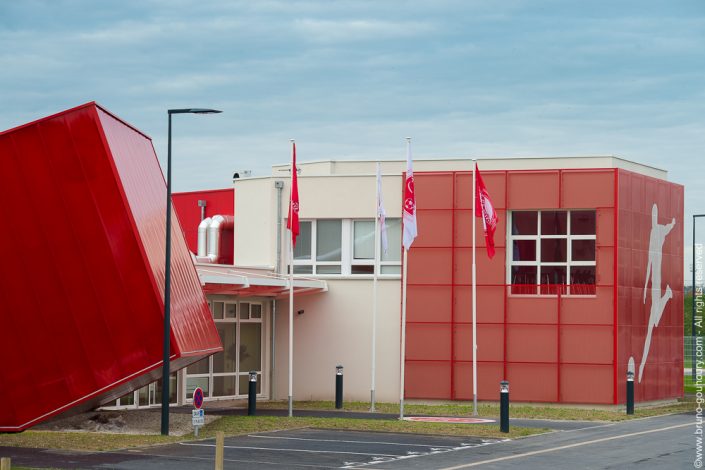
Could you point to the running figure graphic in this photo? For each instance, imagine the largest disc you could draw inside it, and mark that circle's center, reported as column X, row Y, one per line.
column 653, row 270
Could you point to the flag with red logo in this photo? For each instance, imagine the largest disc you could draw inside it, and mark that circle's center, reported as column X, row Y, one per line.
column 485, row 209
column 409, row 207
column 292, row 222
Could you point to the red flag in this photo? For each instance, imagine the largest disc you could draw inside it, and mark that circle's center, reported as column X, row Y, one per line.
column 292, row 222
column 485, row 209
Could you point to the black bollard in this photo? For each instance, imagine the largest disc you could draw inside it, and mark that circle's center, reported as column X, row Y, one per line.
column 630, row 392
column 338, row 387
column 504, row 406
column 252, row 394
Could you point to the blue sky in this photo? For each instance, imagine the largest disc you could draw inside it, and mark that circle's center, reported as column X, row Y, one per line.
column 351, row 79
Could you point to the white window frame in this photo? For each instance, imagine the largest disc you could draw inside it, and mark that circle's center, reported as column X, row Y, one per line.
column 538, row 263
column 346, row 256
column 238, row 374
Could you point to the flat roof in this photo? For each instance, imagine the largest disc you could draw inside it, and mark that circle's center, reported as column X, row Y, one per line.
column 397, row 166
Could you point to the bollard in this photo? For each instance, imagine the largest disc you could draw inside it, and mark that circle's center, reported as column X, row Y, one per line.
column 5, row 463
column 338, row 387
column 219, row 444
column 252, row 394
column 630, row 392
column 504, row 406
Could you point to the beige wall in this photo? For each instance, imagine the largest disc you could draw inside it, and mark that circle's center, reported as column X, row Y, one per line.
column 336, row 328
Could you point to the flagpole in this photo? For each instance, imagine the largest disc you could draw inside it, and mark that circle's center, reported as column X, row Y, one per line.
column 403, row 339
column 474, row 295
column 291, row 307
column 374, row 297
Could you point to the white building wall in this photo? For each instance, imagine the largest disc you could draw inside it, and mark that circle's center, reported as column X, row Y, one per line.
column 336, row 328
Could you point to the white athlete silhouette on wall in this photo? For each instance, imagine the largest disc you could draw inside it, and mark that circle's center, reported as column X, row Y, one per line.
column 653, row 270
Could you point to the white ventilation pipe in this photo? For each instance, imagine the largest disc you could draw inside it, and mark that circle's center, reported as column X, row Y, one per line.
column 203, row 237
column 216, row 227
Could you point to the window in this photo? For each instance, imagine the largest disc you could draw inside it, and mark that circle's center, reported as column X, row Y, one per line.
column 224, row 374
column 345, row 247
column 552, row 252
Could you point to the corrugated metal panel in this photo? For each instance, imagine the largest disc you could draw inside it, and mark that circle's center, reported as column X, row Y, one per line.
column 81, row 315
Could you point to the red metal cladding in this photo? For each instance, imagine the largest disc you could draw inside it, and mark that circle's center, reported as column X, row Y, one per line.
column 81, row 283
column 551, row 348
column 218, row 202
column 650, row 332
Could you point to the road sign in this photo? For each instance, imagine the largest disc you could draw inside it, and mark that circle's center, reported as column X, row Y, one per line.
column 198, row 398
column 198, row 417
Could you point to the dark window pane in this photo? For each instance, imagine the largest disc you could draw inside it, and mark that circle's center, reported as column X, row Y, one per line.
column 328, row 240
column 303, row 269
column 582, row 280
column 583, row 250
column 524, row 223
column 553, row 280
column 200, row 367
column 524, row 250
column 554, row 223
column 582, row 222
column 553, row 250
column 218, row 310
column 224, row 386
column 324, row 269
column 362, row 269
column 523, row 279
column 302, row 250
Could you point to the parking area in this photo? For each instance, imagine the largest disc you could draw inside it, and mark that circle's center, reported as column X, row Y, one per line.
column 303, row 448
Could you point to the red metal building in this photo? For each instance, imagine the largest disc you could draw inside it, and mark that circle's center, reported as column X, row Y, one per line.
column 571, row 295
column 82, row 280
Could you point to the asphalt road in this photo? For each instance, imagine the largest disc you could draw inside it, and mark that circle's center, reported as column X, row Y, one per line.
column 662, row 442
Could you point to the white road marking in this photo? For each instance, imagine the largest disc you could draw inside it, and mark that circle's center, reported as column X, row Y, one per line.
column 355, row 442
column 569, row 446
column 290, row 450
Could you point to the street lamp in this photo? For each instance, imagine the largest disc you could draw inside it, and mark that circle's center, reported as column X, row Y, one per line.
column 167, row 270
column 692, row 330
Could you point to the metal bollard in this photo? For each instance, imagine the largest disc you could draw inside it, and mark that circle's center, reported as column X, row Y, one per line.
column 630, row 392
column 504, row 406
column 338, row 387
column 252, row 394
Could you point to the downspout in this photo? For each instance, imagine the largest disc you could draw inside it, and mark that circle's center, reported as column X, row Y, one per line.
column 280, row 187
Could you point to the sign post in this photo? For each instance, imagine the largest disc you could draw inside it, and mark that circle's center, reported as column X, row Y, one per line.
column 198, row 417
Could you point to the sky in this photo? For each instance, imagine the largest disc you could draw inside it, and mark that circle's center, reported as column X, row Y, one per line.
column 351, row 79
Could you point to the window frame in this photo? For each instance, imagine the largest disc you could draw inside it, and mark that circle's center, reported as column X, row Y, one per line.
column 347, row 260
column 568, row 263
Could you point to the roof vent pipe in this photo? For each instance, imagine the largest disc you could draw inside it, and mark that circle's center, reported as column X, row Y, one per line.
column 217, row 225
column 203, row 237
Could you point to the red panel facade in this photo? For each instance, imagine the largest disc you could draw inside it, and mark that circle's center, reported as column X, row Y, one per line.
column 218, row 202
column 644, row 234
column 554, row 345
column 82, row 285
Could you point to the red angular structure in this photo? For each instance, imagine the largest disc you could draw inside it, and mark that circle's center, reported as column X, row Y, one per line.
column 82, row 276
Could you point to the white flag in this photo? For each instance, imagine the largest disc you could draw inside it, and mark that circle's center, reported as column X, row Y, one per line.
column 409, row 207
column 381, row 214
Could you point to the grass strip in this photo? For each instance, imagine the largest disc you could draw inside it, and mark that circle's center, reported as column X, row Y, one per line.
column 492, row 411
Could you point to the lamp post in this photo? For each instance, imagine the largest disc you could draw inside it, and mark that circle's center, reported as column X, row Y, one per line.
column 167, row 271
column 692, row 329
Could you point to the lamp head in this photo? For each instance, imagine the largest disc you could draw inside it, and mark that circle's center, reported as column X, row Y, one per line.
column 194, row 111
